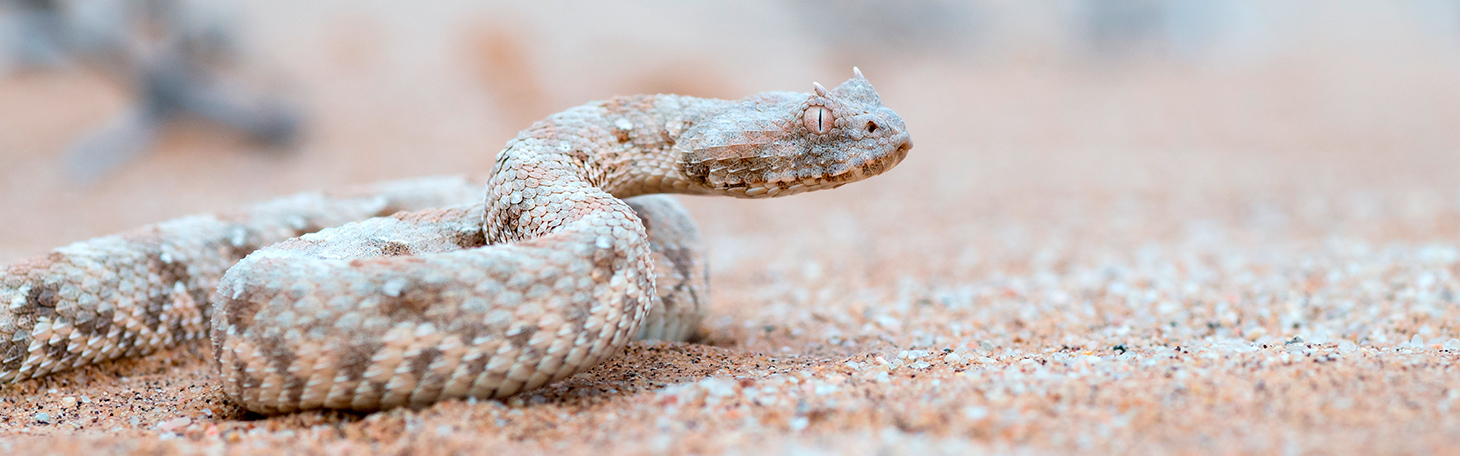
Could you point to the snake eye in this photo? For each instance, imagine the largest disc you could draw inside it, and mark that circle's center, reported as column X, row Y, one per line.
column 818, row 119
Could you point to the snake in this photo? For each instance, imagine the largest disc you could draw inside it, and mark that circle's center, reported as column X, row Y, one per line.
column 406, row 293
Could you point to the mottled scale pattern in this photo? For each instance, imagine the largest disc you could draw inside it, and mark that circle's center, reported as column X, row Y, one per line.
column 136, row 292
column 408, row 293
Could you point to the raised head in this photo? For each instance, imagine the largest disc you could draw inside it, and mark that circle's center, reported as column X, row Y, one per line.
column 783, row 143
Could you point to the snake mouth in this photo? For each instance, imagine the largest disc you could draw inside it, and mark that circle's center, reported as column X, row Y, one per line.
column 902, row 149
column 860, row 169
column 905, row 146
column 877, row 164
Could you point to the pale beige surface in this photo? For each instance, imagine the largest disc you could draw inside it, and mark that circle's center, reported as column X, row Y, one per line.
column 1117, row 258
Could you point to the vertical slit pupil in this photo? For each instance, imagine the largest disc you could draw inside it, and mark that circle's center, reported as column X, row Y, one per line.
column 818, row 119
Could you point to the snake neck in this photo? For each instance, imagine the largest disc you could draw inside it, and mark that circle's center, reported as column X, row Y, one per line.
column 623, row 147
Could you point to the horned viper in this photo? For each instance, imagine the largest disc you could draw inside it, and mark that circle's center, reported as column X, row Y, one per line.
column 411, row 292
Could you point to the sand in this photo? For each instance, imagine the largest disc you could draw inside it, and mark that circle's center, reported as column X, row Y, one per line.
column 1157, row 259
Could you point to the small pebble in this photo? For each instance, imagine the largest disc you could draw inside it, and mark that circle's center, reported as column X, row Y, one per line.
column 174, row 424
column 975, row 413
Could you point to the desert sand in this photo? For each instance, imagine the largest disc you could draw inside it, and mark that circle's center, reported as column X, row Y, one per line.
column 1159, row 256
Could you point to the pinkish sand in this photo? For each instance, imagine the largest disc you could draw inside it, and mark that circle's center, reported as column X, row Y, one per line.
column 1157, row 261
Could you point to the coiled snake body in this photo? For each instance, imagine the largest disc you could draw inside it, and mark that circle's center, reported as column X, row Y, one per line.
column 457, row 296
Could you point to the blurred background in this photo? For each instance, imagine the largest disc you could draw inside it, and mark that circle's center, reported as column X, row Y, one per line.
column 1297, row 115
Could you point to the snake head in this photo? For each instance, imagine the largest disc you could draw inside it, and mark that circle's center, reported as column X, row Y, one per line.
column 784, row 143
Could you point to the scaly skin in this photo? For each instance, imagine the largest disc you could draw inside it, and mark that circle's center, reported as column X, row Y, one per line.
column 548, row 276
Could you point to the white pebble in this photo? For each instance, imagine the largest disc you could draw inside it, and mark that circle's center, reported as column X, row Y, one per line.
column 717, row 387
column 174, row 424
column 975, row 412
column 1347, row 347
